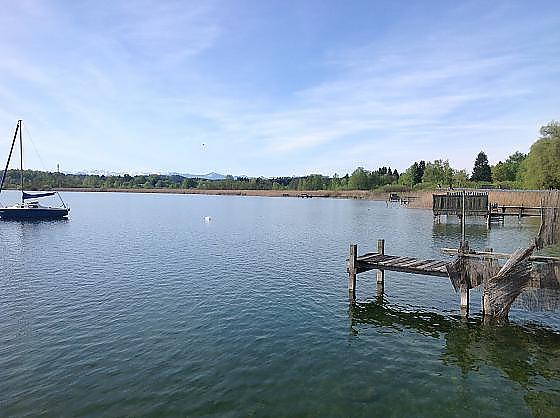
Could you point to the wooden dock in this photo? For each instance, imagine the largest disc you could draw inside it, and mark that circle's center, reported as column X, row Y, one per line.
column 545, row 275
column 500, row 211
column 380, row 261
column 464, row 204
column 376, row 261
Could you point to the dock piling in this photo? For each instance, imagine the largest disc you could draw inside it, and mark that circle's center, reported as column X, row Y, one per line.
column 352, row 270
column 464, row 301
column 380, row 272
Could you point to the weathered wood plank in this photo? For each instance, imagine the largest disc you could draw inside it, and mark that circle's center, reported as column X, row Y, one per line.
column 437, row 272
column 439, row 264
column 422, row 264
column 376, row 259
column 366, row 255
column 363, row 266
column 397, row 260
column 430, row 266
column 412, row 262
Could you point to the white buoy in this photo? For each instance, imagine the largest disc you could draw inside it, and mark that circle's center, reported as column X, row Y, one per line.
column 207, row 219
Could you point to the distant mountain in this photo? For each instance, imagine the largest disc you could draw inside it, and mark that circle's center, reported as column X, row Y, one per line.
column 209, row 176
column 100, row 173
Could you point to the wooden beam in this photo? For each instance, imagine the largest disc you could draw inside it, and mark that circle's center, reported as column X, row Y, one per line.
column 495, row 255
column 365, row 266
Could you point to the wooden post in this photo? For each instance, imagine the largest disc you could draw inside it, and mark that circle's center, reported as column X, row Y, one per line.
column 352, row 270
column 464, row 301
column 380, row 250
column 485, row 298
column 463, row 219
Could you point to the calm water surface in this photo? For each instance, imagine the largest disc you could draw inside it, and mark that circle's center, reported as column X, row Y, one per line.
column 136, row 306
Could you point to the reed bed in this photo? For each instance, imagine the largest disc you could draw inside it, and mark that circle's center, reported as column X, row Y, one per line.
column 533, row 198
column 527, row 198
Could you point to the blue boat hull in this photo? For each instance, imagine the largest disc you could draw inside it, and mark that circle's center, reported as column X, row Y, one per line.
column 33, row 213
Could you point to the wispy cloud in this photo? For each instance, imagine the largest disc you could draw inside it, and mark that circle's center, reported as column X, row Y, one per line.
column 154, row 80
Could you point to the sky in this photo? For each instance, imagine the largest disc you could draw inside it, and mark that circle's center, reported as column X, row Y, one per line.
column 275, row 88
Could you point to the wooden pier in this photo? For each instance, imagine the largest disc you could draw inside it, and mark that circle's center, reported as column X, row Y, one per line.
column 383, row 262
column 380, row 261
column 464, row 204
column 499, row 212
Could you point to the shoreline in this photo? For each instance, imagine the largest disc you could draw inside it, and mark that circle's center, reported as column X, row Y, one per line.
column 340, row 194
column 416, row 199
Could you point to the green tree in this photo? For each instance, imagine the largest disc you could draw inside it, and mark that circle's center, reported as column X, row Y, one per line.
column 481, row 170
column 412, row 175
column 510, row 169
column 500, row 172
column 514, row 163
column 421, row 169
column 541, row 168
column 438, row 172
column 359, row 180
column 460, row 178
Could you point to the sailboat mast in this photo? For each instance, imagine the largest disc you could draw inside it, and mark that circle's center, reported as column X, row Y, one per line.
column 9, row 158
column 21, row 160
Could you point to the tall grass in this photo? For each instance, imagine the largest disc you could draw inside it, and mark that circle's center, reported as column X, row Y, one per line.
column 527, row 198
column 523, row 197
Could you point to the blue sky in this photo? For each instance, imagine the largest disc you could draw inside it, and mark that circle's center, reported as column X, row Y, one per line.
column 276, row 87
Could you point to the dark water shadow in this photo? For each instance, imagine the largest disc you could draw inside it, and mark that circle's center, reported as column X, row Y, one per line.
column 526, row 354
column 35, row 221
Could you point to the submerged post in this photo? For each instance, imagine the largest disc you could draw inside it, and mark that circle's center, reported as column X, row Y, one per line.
column 380, row 273
column 380, row 250
column 352, row 270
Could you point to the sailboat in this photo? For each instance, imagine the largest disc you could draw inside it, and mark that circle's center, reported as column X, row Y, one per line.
column 29, row 208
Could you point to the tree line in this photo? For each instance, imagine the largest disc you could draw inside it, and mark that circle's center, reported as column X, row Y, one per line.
column 539, row 169
column 360, row 179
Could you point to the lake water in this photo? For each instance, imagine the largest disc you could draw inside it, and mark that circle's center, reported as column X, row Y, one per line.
column 137, row 306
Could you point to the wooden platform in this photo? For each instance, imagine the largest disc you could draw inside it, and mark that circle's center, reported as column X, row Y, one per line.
column 378, row 261
column 500, row 211
column 545, row 273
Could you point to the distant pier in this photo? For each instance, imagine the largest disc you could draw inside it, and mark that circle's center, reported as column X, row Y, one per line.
column 464, row 204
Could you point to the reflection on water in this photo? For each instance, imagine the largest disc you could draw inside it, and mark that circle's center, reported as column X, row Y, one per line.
column 528, row 355
column 539, row 300
column 502, row 237
column 453, row 230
